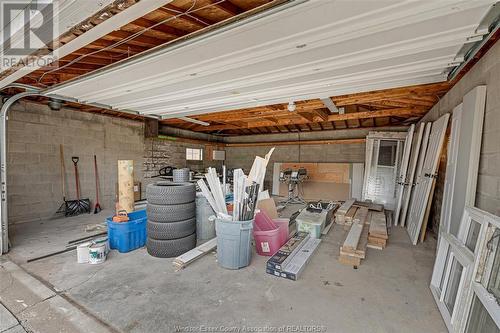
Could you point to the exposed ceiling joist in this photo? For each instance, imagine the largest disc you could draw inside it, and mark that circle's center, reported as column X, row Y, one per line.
column 194, row 121
column 330, row 105
column 404, row 112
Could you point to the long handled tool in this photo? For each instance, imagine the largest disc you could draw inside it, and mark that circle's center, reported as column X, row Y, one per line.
column 62, row 208
column 97, row 207
column 78, row 206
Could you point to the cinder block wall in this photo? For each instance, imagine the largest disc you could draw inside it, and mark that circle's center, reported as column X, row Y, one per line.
column 243, row 157
column 485, row 71
column 159, row 153
column 34, row 135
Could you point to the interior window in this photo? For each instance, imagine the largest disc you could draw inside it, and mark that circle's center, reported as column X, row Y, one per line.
column 473, row 235
column 452, row 287
column 387, row 153
column 194, row 154
column 480, row 320
column 494, row 282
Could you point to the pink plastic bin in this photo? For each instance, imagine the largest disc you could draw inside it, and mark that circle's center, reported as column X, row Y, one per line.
column 267, row 243
column 283, row 229
column 263, row 222
column 269, row 240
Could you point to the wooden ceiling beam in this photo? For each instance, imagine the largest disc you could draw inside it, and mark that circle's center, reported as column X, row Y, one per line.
column 308, row 142
column 372, row 96
column 307, row 116
column 322, row 114
column 140, row 40
column 164, row 28
column 191, row 18
column 227, row 7
column 110, row 47
column 402, row 112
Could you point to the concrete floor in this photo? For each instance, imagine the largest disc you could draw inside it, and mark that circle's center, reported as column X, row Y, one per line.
column 135, row 292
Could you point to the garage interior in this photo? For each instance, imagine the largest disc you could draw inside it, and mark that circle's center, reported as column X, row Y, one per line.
column 251, row 165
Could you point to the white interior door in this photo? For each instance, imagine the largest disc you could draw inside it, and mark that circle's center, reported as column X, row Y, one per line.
column 423, row 188
column 382, row 166
column 451, row 167
column 419, row 147
column 403, row 170
column 463, row 158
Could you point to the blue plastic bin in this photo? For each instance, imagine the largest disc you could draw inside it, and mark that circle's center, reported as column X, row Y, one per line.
column 128, row 236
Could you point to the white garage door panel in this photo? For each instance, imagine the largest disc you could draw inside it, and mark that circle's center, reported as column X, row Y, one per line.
column 310, row 50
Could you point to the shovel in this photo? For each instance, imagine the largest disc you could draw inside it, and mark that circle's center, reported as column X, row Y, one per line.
column 78, row 206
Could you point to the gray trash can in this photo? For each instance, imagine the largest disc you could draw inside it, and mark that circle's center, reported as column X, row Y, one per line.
column 180, row 175
column 234, row 243
column 205, row 227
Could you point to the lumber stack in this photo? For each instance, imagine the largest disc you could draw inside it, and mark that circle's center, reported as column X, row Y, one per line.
column 377, row 234
column 354, row 246
column 342, row 211
column 346, row 213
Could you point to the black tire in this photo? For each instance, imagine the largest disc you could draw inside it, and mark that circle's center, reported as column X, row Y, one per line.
column 170, row 248
column 171, row 230
column 168, row 193
column 171, row 213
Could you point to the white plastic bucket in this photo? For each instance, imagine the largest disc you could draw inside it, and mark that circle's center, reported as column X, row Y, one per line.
column 82, row 253
column 97, row 253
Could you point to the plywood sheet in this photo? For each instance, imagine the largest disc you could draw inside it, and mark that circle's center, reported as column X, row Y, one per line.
column 326, row 181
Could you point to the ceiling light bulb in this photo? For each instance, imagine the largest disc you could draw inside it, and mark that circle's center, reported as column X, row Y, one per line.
column 291, row 106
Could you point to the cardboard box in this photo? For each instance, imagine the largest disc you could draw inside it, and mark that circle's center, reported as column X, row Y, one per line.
column 292, row 246
column 293, row 263
column 295, row 267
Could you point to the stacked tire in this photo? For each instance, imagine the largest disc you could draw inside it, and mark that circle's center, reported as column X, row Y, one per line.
column 171, row 211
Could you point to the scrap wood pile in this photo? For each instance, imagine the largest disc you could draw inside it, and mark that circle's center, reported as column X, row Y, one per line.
column 367, row 227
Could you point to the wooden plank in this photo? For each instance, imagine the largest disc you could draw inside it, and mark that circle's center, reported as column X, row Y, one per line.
column 378, row 225
column 194, row 254
column 345, row 207
column 361, row 216
column 126, row 185
column 369, row 205
column 353, row 237
column 349, row 260
column 349, row 216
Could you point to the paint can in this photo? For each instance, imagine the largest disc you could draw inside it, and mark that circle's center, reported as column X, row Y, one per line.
column 97, row 253
column 102, row 240
column 82, row 253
